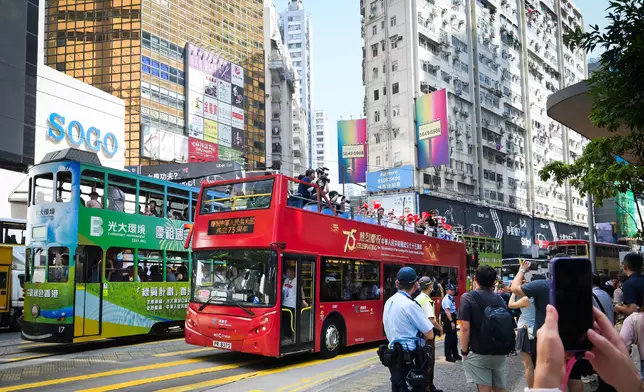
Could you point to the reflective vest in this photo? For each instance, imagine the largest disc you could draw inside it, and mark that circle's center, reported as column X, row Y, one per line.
column 423, row 298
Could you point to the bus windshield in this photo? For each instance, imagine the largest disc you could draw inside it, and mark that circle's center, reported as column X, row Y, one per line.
column 253, row 195
column 236, row 276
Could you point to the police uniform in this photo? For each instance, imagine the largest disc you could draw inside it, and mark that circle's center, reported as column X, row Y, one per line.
column 427, row 304
column 404, row 319
column 451, row 338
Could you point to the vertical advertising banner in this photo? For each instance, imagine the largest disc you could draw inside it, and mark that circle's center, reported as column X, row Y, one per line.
column 215, row 96
column 432, row 129
column 352, row 151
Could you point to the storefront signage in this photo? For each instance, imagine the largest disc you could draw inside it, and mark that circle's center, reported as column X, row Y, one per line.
column 76, row 135
column 244, row 225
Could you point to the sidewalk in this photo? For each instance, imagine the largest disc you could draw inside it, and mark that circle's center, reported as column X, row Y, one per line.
column 449, row 377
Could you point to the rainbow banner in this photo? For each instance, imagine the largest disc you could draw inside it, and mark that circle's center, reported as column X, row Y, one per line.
column 432, row 129
column 352, row 151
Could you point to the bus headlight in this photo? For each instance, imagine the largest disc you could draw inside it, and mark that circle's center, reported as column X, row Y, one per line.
column 35, row 311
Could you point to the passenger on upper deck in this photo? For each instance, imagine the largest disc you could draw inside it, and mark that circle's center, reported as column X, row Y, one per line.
column 93, row 201
column 116, row 199
column 152, row 209
column 304, row 189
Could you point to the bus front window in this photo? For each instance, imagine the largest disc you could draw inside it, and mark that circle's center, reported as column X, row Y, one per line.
column 229, row 277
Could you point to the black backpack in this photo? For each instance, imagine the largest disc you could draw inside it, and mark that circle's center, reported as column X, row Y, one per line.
column 497, row 328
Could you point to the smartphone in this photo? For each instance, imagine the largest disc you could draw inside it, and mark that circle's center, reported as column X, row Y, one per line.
column 571, row 292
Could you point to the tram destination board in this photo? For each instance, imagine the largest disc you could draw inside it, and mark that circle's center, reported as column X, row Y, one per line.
column 241, row 225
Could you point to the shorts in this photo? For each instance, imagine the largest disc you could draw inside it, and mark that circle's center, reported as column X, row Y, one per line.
column 485, row 369
column 524, row 344
column 582, row 368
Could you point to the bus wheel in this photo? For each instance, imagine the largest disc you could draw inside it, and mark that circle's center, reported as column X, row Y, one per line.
column 331, row 338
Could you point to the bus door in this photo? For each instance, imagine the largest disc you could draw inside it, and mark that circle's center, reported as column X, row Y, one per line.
column 5, row 292
column 88, row 304
column 298, row 303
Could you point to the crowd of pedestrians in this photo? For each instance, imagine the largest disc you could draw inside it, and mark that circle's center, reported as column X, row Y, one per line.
column 489, row 333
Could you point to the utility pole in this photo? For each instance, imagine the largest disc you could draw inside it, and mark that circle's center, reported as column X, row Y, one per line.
column 591, row 233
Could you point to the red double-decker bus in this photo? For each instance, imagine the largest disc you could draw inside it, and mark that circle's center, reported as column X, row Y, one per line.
column 275, row 274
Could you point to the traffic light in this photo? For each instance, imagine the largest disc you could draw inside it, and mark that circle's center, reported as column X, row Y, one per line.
column 475, row 259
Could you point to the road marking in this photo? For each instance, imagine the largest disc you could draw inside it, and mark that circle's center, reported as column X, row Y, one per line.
column 155, row 342
column 172, row 376
column 321, row 377
column 239, row 377
column 90, row 376
column 196, row 350
column 25, row 358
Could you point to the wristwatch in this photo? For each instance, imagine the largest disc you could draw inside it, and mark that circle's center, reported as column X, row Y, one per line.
column 523, row 270
column 464, row 353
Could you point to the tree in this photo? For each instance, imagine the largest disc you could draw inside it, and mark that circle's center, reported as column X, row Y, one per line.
column 616, row 90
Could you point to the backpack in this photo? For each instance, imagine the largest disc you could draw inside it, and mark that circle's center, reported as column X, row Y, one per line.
column 497, row 328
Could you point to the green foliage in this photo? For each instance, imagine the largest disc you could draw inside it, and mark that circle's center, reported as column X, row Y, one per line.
column 617, row 94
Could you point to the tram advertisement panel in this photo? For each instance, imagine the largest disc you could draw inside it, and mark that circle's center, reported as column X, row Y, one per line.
column 107, row 228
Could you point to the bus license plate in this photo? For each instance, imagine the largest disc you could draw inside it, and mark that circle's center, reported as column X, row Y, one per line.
column 224, row 345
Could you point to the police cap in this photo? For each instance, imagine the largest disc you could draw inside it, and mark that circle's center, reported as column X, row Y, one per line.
column 407, row 275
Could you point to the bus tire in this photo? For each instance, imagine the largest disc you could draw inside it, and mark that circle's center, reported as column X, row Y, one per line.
column 331, row 337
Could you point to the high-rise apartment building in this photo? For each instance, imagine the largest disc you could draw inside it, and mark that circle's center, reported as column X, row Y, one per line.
column 320, row 129
column 498, row 60
column 297, row 36
column 135, row 49
column 285, row 106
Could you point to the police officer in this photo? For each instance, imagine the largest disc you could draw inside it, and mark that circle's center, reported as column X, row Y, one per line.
column 449, row 325
column 403, row 320
column 427, row 304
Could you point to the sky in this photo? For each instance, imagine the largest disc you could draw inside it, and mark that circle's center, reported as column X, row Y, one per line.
column 337, row 80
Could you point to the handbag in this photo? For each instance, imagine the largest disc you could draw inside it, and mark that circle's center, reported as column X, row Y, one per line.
column 634, row 348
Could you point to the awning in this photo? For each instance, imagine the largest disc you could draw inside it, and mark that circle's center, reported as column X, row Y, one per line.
column 20, row 195
column 571, row 106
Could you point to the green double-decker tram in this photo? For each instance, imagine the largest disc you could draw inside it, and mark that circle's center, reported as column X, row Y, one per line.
column 106, row 253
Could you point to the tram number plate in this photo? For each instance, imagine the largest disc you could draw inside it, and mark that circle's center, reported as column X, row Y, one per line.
column 224, row 345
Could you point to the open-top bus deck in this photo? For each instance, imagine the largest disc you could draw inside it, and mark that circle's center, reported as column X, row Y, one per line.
column 276, row 274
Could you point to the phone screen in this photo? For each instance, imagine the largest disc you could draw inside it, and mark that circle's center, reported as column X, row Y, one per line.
column 573, row 298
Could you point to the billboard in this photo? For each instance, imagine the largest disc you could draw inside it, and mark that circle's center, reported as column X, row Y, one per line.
column 352, row 151
column 194, row 173
column 432, row 129
column 400, row 203
column 390, row 179
column 163, row 145
column 215, row 100
column 202, row 151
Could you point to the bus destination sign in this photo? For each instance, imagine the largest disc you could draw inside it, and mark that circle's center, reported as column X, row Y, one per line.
column 243, row 225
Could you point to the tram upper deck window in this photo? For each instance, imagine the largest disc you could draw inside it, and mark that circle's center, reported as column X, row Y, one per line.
column 121, row 194
column 254, row 195
column 63, row 186
column 151, row 199
column 92, row 188
column 178, row 204
column 43, row 188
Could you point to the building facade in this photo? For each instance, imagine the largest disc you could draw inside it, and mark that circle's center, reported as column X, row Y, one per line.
column 135, row 50
column 296, row 28
column 19, row 68
column 498, row 60
column 283, row 80
column 320, row 132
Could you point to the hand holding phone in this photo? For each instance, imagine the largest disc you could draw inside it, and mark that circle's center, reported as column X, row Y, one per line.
column 525, row 265
column 571, row 292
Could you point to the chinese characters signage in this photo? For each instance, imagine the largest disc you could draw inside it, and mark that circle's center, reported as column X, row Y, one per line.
column 243, row 225
column 202, row 151
column 109, row 228
column 376, row 242
column 160, row 298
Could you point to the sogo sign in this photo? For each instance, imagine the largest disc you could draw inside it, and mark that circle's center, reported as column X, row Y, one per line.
column 76, row 135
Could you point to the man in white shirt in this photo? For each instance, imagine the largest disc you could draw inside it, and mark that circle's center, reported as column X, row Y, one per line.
column 425, row 301
column 289, row 300
column 93, row 201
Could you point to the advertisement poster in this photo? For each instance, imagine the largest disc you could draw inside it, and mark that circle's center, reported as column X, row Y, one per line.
column 432, row 129
column 162, row 145
column 352, row 151
column 215, row 97
column 202, row 151
column 391, row 179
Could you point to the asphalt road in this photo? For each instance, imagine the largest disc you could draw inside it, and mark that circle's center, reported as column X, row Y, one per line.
column 171, row 365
